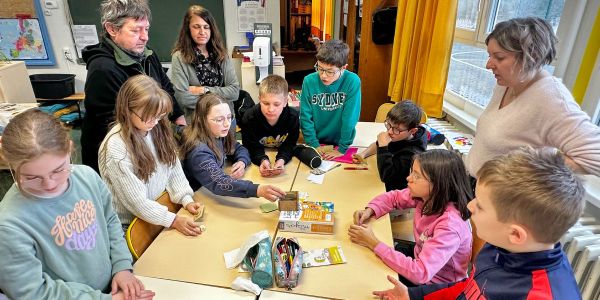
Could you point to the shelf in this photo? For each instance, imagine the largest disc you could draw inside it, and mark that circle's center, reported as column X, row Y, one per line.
column 300, row 14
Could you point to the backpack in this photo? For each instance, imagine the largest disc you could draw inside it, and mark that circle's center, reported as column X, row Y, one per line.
column 243, row 103
column 384, row 25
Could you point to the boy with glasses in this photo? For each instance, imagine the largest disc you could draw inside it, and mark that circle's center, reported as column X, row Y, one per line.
column 330, row 101
column 395, row 147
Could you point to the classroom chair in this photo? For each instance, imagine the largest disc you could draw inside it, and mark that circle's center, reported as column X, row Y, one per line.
column 140, row 234
column 385, row 108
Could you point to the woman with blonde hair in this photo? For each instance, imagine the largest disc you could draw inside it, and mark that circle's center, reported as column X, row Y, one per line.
column 200, row 63
column 529, row 106
column 138, row 158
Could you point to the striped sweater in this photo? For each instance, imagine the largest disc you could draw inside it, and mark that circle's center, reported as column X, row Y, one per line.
column 131, row 196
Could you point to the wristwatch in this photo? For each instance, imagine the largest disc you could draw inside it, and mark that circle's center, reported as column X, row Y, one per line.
column 206, row 90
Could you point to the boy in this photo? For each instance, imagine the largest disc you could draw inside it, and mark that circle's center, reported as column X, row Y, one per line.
column 525, row 201
column 395, row 147
column 270, row 123
column 330, row 101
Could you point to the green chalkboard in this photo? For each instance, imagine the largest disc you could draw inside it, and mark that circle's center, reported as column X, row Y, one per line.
column 167, row 16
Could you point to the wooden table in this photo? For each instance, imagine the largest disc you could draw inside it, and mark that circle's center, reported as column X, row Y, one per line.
column 170, row 289
column 364, row 272
column 229, row 222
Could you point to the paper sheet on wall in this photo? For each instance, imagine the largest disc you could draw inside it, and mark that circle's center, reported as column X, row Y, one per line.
column 84, row 35
column 250, row 12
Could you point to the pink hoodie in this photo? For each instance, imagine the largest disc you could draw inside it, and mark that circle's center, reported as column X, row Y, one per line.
column 443, row 243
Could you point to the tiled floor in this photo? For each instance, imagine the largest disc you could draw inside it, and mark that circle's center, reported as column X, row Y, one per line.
column 6, row 179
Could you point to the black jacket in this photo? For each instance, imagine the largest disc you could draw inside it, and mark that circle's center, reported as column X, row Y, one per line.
column 394, row 160
column 258, row 134
column 108, row 67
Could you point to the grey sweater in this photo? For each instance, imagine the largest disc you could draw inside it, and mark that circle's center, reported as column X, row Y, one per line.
column 183, row 75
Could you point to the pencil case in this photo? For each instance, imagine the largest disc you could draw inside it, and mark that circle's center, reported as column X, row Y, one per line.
column 287, row 259
column 258, row 261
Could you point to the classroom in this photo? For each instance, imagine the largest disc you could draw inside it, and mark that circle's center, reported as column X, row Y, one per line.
column 299, row 149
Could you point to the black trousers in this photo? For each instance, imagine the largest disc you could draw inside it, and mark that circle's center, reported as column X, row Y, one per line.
column 407, row 248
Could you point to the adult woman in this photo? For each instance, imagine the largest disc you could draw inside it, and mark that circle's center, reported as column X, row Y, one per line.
column 121, row 53
column 530, row 106
column 200, row 63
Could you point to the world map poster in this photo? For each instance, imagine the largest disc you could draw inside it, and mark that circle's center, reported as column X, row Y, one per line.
column 21, row 39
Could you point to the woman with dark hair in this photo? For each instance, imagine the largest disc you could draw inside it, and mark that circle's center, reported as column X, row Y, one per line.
column 200, row 63
column 529, row 106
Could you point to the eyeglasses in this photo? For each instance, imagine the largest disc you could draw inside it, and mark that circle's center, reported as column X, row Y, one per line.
column 152, row 120
column 221, row 120
column 327, row 73
column 57, row 175
column 416, row 176
column 395, row 130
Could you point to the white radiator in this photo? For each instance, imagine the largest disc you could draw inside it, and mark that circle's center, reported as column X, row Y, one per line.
column 581, row 244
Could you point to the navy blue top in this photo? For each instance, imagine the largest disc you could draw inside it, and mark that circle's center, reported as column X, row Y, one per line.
column 202, row 167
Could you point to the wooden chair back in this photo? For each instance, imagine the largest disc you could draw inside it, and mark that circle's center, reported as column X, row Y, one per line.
column 140, row 234
column 383, row 110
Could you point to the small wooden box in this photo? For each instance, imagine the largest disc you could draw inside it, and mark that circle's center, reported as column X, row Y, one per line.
column 289, row 202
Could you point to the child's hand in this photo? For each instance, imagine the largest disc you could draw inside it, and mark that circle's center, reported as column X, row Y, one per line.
column 399, row 292
column 358, row 158
column 324, row 149
column 363, row 235
column 131, row 288
column 193, row 207
column 278, row 167
column 269, row 192
column 237, row 170
column 383, row 139
column 186, row 226
column 265, row 168
column 362, row 216
column 145, row 295
column 332, row 154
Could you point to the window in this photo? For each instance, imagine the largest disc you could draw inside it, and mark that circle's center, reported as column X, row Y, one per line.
column 468, row 79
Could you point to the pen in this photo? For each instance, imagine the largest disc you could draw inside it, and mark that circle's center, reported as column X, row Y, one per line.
column 356, row 168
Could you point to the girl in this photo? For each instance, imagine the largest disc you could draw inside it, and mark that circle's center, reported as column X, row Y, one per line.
column 57, row 222
column 138, row 158
column 206, row 143
column 438, row 189
column 200, row 63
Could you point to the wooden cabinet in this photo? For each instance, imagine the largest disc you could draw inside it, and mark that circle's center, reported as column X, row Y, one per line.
column 366, row 58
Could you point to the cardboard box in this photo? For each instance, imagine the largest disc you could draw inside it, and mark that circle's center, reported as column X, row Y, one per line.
column 311, row 217
column 289, row 202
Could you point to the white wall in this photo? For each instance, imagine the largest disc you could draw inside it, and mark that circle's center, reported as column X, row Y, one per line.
column 61, row 37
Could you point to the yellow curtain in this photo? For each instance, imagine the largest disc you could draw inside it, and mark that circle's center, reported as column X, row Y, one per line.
column 322, row 18
column 316, row 18
column 421, row 52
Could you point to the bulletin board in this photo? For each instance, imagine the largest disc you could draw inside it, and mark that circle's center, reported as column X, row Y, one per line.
column 167, row 17
column 23, row 33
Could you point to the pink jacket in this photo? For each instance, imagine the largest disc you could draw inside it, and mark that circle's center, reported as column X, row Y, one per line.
column 443, row 243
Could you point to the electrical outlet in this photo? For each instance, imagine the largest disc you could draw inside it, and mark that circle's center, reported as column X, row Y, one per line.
column 67, row 53
column 51, row 4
